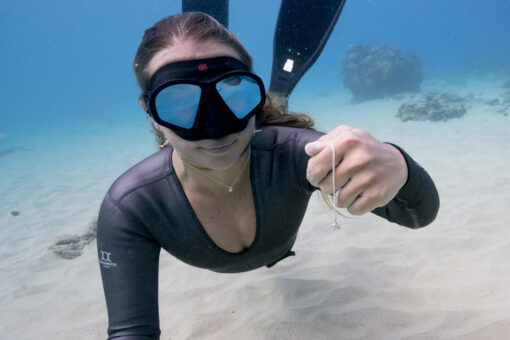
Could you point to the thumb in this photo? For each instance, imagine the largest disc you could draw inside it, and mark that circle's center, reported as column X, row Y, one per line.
column 314, row 148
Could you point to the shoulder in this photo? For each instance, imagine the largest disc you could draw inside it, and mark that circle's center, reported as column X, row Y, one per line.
column 280, row 154
column 152, row 169
column 271, row 137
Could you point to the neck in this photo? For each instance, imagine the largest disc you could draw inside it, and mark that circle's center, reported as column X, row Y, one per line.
column 217, row 181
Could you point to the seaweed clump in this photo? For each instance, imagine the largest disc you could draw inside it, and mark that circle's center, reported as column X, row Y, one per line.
column 435, row 107
column 72, row 246
column 505, row 103
column 371, row 73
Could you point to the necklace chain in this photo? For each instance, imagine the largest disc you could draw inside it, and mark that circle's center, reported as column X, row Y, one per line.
column 229, row 187
column 335, row 223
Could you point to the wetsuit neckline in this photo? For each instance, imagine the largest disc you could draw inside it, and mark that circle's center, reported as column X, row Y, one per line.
column 199, row 225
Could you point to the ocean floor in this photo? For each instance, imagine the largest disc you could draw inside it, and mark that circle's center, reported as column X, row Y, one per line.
column 369, row 280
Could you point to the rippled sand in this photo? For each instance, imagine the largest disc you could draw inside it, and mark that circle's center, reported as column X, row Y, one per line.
column 369, row 280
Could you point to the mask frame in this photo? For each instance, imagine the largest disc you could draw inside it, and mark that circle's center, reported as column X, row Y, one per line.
column 214, row 119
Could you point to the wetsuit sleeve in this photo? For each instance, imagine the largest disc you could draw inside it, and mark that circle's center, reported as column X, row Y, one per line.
column 129, row 260
column 417, row 203
column 304, row 137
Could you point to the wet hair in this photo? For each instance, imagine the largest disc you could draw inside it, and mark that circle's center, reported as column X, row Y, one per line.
column 198, row 28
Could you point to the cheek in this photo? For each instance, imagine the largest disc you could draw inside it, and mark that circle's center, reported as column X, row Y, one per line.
column 179, row 144
column 246, row 135
column 167, row 132
column 175, row 140
column 249, row 130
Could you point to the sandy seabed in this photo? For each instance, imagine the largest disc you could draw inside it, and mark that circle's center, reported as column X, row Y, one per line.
column 369, row 280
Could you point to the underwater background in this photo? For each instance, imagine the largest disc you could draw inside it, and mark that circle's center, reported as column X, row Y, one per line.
column 68, row 64
column 70, row 124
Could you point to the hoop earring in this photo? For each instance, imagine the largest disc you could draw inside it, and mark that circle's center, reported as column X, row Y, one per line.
column 165, row 144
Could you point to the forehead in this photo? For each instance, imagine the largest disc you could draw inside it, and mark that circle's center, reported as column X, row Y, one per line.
column 196, row 70
column 188, row 50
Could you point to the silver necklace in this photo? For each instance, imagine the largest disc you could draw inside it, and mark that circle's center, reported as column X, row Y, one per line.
column 335, row 223
column 229, row 187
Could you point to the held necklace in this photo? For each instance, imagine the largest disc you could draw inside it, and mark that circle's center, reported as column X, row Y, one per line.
column 335, row 223
column 229, row 187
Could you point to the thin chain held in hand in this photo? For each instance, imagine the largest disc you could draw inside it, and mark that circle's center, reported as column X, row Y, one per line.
column 335, row 224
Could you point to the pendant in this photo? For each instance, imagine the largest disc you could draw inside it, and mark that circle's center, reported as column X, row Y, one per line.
column 229, row 189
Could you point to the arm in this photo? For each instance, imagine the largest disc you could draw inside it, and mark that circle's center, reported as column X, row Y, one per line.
column 417, row 203
column 372, row 176
column 129, row 260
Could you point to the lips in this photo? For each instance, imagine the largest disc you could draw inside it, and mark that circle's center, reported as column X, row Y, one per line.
column 219, row 147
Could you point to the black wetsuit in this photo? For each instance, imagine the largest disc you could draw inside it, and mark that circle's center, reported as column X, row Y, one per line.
column 146, row 210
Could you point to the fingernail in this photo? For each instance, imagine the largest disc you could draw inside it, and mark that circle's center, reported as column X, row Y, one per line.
column 310, row 147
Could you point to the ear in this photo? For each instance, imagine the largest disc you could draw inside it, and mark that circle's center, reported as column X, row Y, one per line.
column 144, row 107
column 142, row 104
column 155, row 125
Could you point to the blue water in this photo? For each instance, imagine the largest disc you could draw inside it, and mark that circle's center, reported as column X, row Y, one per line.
column 69, row 102
column 68, row 63
column 67, row 87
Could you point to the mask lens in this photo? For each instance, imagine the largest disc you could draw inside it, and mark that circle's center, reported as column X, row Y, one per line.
column 178, row 104
column 241, row 93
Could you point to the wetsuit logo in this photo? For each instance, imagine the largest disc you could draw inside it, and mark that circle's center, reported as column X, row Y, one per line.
column 106, row 261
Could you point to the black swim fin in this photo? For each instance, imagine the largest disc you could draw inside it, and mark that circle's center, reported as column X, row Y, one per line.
column 302, row 30
column 218, row 9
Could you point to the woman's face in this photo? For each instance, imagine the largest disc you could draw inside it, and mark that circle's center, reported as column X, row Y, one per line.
column 215, row 154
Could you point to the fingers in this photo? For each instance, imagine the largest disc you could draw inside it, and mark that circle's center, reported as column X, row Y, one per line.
column 340, row 130
column 353, row 197
column 356, row 193
column 346, row 194
column 359, row 196
column 320, row 165
column 314, row 148
column 342, row 178
column 320, row 152
column 359, row 206
column 355, row 170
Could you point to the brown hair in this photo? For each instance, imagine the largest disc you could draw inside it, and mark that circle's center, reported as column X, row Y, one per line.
column 200, row 27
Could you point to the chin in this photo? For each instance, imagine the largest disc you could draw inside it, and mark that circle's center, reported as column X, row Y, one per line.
column 225, row 160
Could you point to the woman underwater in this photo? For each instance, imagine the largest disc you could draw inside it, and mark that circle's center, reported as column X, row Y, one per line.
column 230, row 187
